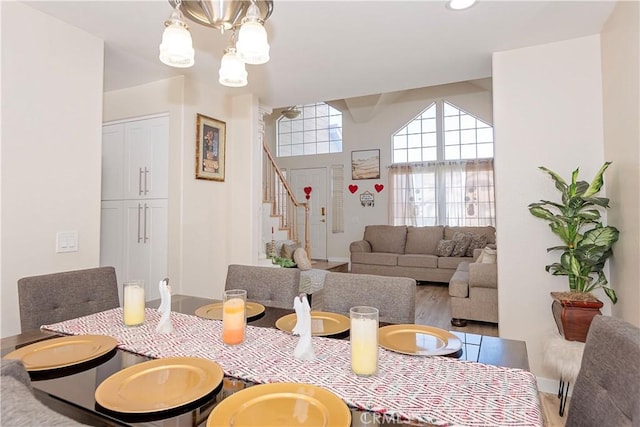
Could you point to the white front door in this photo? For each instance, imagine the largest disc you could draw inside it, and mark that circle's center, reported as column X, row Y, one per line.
column 316, row 179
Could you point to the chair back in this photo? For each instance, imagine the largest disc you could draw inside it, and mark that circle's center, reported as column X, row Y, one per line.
column 52, row 298
column 394, row 297
column 273, row 287
column 607, row 389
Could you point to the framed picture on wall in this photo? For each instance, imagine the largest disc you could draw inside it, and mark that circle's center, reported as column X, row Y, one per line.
column 365, row 164
column 211, row 135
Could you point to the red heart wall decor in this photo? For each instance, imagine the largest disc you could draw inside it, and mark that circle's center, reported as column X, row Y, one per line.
column 353, row 188
column 307, row 190
column 379, row 187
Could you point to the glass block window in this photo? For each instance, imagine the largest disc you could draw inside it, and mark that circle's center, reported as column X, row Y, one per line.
column 317, row 130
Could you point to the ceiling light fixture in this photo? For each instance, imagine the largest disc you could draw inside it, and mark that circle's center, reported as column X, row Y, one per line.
column 460, row 4
column 291, row 112
column 252, row 46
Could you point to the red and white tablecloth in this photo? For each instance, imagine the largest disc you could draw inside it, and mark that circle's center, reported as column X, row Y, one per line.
column 437, row 390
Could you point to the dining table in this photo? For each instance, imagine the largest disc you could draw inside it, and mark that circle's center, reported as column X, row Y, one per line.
column 71, row 390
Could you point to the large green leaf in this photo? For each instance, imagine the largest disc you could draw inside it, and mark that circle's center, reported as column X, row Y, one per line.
column 560, row 182
column 601, row 236
column 611, row 294
column 597, row 182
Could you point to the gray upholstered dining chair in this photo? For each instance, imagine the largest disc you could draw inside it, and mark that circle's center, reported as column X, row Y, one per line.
column 607, row 389
column 52, row 298
column 395, row 297
column 273, row 287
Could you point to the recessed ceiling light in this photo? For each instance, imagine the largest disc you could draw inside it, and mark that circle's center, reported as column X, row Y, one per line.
column 460, row 4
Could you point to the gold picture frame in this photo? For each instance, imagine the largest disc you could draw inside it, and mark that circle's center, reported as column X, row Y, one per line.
column 211, row 142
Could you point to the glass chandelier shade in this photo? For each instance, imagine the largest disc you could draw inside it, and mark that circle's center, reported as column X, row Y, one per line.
column 176, row 49
column 252, row 45
column 232, row 70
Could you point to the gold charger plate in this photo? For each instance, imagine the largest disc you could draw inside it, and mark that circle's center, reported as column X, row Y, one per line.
column 214, row 311
column 159, row 385
column 63, row 352
column 418, row 340
column 322, row 323
column 281, row 404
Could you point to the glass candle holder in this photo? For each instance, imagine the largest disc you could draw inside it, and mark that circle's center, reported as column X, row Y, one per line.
column 133, row 302
column 234, row 319
column 364, row 340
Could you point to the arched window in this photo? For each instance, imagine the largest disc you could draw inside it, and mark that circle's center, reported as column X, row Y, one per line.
column 317, row 130
column 442, row 171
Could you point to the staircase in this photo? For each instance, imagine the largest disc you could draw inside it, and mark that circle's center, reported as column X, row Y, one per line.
column 290, row 213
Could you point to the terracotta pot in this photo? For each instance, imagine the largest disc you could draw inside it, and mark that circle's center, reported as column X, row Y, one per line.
column 573, row 313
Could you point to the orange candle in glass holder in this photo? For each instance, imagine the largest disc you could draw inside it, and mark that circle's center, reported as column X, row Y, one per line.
column 234, row 320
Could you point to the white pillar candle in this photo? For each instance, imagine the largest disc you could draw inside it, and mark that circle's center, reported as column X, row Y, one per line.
column 364, row 340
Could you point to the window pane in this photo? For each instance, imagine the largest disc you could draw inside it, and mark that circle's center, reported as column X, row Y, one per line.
column 429, row 140
column 296, row 138
column 414, row 141
column 429, row 154
column 310, row 124
column 485, row 151
column 297, row 150
column 414, row 155
column 285, row 139
column 399, row 156
column 335, row 146
column 467, row 122
column 452, row 152
column 429, row 112
column 414, row 127
column 296, row 125
column 468, row 151
column 451, row 123
column 399, row 141
column 485, row 135
column 310, row 136
column 284, row 125
column 322, row 122
column 322, row 147
column 450, row 110
column 309, row 149
column 322, row 109
column 468, row 136
column 452, row 138
column 429, row 125
column 322, row 135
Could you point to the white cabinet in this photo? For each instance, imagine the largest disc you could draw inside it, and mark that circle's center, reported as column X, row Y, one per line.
column 134, row 225
column 134, row 241
column 135, row 159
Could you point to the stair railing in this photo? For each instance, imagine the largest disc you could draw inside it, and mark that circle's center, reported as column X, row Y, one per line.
column 278, row 193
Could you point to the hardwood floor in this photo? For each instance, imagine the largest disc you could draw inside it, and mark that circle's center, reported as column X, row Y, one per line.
column 432, row 309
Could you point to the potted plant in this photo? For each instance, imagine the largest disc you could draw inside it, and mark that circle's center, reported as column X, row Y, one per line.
column 587, row 246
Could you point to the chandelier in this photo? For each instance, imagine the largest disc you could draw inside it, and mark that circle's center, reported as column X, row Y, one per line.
column 244, row 18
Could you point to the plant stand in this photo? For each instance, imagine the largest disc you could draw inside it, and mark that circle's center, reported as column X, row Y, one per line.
column 573, row 313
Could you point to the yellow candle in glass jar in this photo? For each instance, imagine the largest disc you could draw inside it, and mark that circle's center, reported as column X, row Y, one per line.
column 233, row 320
column 133, row 301
column 364, row 343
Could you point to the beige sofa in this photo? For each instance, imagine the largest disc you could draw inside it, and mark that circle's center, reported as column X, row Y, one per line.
column 474, row 292
column 415, row 252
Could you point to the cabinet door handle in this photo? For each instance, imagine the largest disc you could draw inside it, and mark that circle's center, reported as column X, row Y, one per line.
column 145, row 224
column 139, row 181
column 146, row 173
column 139, row 212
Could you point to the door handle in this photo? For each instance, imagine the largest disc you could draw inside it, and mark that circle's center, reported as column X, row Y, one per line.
column 139, row 181
column 139, row 211
column 146, row 173
column 322, row 211
column 323, row 220
column 145, row 224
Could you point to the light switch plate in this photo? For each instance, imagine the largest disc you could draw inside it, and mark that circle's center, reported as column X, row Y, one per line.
column 67, row 241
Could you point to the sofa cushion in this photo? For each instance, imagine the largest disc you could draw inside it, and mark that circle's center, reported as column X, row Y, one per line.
column 463, row 240
column 445, row 247
column 487, row 230
column 478, row 241
column 423, row 240
column 386, row 238
column 459, row 283
column 451, row 262
column 377, row 258
column 417, row 260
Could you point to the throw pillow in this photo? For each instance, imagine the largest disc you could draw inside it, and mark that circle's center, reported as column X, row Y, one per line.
column 489, row 256
column 478, row 241
column 463, row 240
column 445, row 247
column 300, row 258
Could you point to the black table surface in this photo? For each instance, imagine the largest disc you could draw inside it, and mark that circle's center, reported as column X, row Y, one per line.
column 71, row 390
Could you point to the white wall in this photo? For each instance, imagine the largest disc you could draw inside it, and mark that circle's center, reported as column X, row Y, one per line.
column 211, row 223
column 621, row 91
column 547, row 104
column 392, row 114
column 51, row 148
